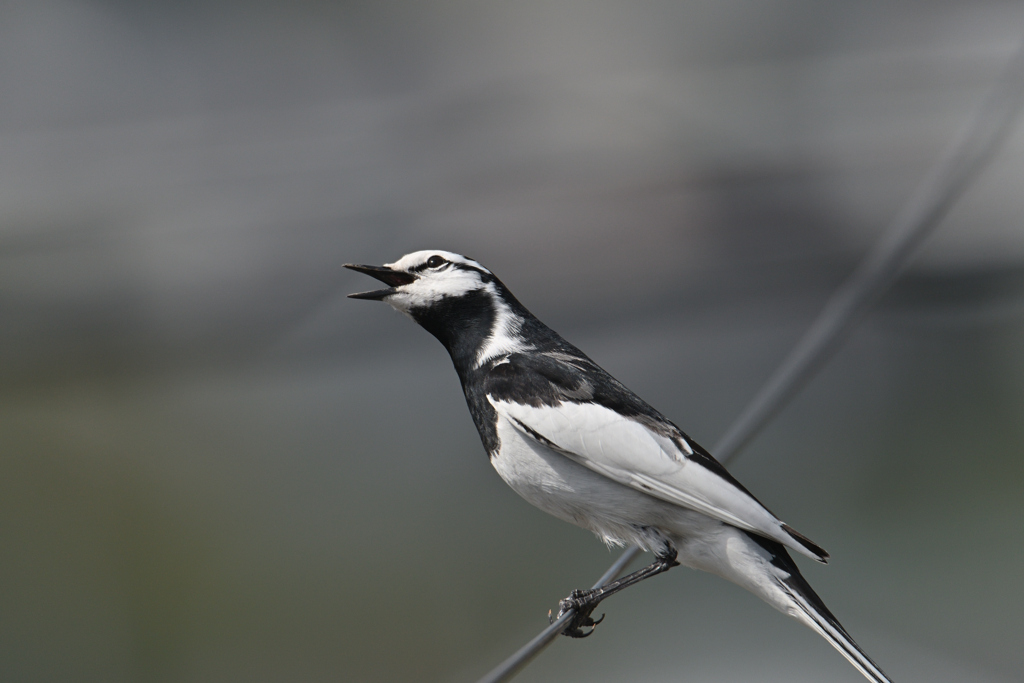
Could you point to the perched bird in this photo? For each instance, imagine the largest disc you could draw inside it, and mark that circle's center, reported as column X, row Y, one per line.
column 571, row 439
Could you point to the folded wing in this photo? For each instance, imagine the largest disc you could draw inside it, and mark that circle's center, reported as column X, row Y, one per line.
column 646, row 454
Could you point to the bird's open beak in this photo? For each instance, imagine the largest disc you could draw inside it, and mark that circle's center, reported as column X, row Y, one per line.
column 394, row 278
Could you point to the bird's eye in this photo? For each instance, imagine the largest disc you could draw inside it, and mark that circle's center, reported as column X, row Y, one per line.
column 436, row 261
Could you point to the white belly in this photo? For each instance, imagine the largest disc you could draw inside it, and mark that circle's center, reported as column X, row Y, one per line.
column 620, row 515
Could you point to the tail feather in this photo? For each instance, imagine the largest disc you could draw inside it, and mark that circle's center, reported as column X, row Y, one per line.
column 799, row 600
column 818, row 617
column 834, row 633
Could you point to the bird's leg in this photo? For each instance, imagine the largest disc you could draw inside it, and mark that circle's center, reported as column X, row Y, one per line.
column 583, row 602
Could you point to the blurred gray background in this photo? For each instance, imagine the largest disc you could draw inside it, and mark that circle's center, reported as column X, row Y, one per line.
column 214, row 467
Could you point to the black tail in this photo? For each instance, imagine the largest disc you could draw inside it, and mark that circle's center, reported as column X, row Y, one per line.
column 816, row 615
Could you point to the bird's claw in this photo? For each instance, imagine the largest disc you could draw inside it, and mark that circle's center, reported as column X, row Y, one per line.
column 582, row 603
column 576, row 626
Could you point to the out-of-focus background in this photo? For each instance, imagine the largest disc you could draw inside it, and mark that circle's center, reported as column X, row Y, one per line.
column 214, row 467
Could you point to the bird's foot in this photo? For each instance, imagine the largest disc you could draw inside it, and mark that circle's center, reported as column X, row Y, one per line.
column 582, row 603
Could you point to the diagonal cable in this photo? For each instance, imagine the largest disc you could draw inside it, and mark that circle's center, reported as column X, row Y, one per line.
column 518, row 661
column 961, row 163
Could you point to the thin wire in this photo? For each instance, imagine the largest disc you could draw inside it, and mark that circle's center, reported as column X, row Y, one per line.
column 524, row 655
column 961, row 163
column 964, row 159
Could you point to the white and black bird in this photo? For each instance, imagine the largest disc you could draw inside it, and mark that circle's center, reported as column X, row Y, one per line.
column 571, row 439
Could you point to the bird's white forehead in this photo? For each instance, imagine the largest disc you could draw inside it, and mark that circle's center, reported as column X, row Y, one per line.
column 418, row 258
